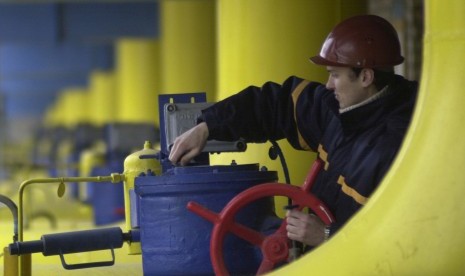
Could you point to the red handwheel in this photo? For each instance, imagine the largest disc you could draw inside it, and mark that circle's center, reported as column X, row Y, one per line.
column 274, row 247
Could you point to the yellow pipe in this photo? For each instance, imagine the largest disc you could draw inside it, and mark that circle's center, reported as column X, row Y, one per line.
column 102, row 98
column 74, row 106
column 264, row 40
column 11, row 264
column 53, row 116
column 50, row 117
column 70, row 108
column 188, row 46
column 413, row 224
column 137, row 79
column 114, row 178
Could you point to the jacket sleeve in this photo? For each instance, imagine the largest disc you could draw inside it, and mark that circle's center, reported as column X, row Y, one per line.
column 258, row 114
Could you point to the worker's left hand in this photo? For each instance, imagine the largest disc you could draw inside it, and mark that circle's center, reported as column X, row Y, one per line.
column 305, row 228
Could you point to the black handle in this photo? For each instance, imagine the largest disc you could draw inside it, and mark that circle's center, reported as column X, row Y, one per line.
column 72, row 242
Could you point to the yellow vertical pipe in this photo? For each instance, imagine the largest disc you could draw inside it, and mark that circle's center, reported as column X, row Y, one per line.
column 137, row 81
column 74, row 106
column 102, row 97
column 16, row 265
column 10, row 263
column 59, row 114
column 188, row 46
column 413, row 224
column 264, row 40
column 51, row 116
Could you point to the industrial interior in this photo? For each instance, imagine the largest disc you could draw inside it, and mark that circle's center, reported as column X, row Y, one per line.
column 93, row 94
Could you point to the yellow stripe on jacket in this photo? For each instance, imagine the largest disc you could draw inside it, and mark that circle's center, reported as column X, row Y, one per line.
column 351, row 191
column 295, row 95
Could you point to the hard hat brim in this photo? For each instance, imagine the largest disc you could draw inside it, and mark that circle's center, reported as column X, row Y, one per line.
column 318, row 60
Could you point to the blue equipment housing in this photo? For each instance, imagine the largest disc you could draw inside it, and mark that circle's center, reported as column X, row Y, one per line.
column 175, row 241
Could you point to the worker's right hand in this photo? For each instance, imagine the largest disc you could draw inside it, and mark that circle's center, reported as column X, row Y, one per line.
column 305, row 228
column 189, row 144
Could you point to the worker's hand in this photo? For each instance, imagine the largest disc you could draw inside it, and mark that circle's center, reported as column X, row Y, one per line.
column 189, row 144
column 305, row 228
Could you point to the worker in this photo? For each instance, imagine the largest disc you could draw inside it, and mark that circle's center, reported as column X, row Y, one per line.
column 356, row 122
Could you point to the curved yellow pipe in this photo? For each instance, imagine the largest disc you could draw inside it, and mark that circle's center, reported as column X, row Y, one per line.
column 413, row 224
column 114, row 178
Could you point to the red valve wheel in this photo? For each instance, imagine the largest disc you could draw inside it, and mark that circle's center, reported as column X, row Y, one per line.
column 275, row 246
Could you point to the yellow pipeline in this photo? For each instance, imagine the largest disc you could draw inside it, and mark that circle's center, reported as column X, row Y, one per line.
column 77, row 105
column 102, row 98
column 74, row 106
column 11, row 264
column 137, row 80
column 413, row 224
column 69, row 109
column 51, row 116
column 264, row 40
column 188, row 46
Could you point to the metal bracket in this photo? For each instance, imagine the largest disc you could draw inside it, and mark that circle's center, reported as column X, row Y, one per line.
column 88, row 265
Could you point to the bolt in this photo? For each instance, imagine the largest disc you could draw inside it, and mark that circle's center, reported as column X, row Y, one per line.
column 171, row 108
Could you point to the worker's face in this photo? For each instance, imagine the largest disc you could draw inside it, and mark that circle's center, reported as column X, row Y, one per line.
column 348, row 88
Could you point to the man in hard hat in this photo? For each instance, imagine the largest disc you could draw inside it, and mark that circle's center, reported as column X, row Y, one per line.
column 356, row 122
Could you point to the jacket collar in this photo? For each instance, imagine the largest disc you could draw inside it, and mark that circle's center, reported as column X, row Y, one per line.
column 368, row 114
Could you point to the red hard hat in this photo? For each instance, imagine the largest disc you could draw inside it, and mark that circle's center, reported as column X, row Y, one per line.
column 364, row 41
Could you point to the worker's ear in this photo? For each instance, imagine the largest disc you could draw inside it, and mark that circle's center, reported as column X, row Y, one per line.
column 367, row 77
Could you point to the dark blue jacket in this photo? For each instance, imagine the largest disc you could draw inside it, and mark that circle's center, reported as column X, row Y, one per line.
column 357, row 146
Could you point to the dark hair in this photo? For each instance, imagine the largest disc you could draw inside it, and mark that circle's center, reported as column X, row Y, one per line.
column 383, row 76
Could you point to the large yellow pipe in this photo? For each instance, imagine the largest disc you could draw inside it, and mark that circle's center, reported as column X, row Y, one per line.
column 137, row 80
column 413, row 224
column 102, row 98
column 188, row 51
column 70, row 108
column 74, row 106
column 264, row 40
